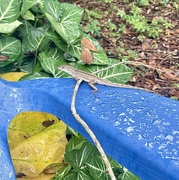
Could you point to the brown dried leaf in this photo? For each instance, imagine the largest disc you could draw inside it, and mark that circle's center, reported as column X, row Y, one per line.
column 145, row 45
column 142, row 55
column 3, row 58
column 177, row 31
column 156, row 86
column 86, row 56
column 88, row 44
column 168, row 74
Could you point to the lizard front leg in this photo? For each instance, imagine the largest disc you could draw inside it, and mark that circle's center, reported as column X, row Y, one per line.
column 91, row 83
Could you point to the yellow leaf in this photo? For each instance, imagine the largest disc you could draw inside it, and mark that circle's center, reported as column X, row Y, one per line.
column 40, row 177
column 36, row 140
column 32, row 145
column 12, row 76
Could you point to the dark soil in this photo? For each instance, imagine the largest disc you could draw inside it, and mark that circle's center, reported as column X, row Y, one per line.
column 160, row 57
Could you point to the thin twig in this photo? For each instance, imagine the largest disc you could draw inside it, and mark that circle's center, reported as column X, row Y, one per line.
column 90, row 132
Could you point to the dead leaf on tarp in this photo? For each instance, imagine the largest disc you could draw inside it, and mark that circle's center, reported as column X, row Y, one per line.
column 88, row 44
column 12, row 76
column 40, row 177
column 53, row 168
column 86, row 56
column 47, row 173
column 33, row 147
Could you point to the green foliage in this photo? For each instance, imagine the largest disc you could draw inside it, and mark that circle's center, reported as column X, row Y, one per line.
column 176, row 5
column 142, row 2
column 164, row 2
column 142, row 25
column 84, row 162
column 93, row 28
column 111, row 26
column 37, row 37
column 93, row 25
column 129, row 54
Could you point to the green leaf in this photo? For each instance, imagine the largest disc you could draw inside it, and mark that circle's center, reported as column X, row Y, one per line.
column 174, row 98
column 97, row 168
column 67, row 173
column 62, row 173
column 121, row 172
column 35, row 39
column 10, row 47
column 85, row 162
column 51, row 60
column 119, row 74
column 8, row 28
column 176, row 85
column 72, row 49
column 25, row 28
column 9, row 10
column 73, row 132
column 37, row 68
column 78, row 157
column 75, row 143
column 100, row 58
column 68, row 26
column 28, row 16
column 57, row 39
column 75, row 49
column 82, row 174
column 53, row 8
column 125, row 174
column 9, row 68
column 27, row 4
column 27, row 64
column 36, row 75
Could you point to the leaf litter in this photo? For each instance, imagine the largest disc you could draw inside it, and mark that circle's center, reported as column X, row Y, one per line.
column 160, row 55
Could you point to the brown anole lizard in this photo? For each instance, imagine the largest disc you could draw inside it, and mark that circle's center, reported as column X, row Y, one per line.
column 92, row 79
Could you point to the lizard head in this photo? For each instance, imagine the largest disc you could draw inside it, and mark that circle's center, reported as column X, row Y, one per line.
column 64, row 67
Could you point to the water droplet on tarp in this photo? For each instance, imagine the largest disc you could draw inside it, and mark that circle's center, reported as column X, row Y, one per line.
column 1, row 152
column 10, row 175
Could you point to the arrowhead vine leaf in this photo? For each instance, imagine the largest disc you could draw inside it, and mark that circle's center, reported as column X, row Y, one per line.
column 33, row 30
column 30, row 29
column 9, row 10
column 35, row 39
column 9, row 27
column 10, row 47
column 66, row 22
